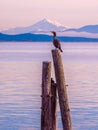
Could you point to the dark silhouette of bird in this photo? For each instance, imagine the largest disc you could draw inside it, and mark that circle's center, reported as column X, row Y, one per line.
column 56, row 42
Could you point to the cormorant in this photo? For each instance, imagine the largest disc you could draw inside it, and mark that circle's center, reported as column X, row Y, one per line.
column 56, row 42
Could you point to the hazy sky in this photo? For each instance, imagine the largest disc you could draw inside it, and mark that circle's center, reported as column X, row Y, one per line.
column 71, row 13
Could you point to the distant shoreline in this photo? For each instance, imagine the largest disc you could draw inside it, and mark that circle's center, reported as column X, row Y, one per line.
column 29, row 37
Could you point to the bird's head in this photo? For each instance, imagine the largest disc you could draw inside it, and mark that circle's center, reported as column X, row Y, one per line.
column 54, row 33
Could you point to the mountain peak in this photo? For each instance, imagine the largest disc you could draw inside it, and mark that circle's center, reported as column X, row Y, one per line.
column 45, row 25
column 46, row 20
column 51, row 22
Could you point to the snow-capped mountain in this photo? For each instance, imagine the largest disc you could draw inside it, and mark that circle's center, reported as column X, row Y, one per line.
column 44, row 25
column 48, row 25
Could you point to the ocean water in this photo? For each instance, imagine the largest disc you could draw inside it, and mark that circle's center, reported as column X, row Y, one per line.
column 20, row 84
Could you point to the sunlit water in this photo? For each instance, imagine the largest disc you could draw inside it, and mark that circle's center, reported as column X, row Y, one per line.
column 20, row 84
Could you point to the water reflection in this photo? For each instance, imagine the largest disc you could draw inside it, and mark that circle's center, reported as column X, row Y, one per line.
column 20, row 84
column 19, row 95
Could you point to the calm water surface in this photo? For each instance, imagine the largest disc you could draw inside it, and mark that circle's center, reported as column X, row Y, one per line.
column 20, row 84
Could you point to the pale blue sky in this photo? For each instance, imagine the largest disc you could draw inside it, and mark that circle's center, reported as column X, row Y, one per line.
column 71, row 13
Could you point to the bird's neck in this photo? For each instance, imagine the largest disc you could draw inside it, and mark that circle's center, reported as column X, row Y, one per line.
column 54, row 37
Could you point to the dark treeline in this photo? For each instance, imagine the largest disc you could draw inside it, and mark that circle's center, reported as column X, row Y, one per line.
column 42, row 38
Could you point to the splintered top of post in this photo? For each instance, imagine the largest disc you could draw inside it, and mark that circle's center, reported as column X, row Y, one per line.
column 46, row 66
column 46, row 62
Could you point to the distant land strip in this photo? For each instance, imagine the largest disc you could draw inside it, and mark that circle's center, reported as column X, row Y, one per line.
column 29, row 37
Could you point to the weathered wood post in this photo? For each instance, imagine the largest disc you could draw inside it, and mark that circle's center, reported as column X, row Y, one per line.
column 54, row 104
column 62, row 92
column 46, row 97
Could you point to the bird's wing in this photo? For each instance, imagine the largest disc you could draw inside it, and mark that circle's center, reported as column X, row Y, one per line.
column 56, row 43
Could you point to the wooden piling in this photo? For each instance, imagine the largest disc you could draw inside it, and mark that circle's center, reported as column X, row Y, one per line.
column 62, row 91
column 46, row 97
column 53, row 104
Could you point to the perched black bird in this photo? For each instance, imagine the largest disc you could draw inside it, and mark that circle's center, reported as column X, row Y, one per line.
column 56, row 42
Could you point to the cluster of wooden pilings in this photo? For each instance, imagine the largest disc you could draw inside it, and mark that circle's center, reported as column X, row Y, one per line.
column 50, row 91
